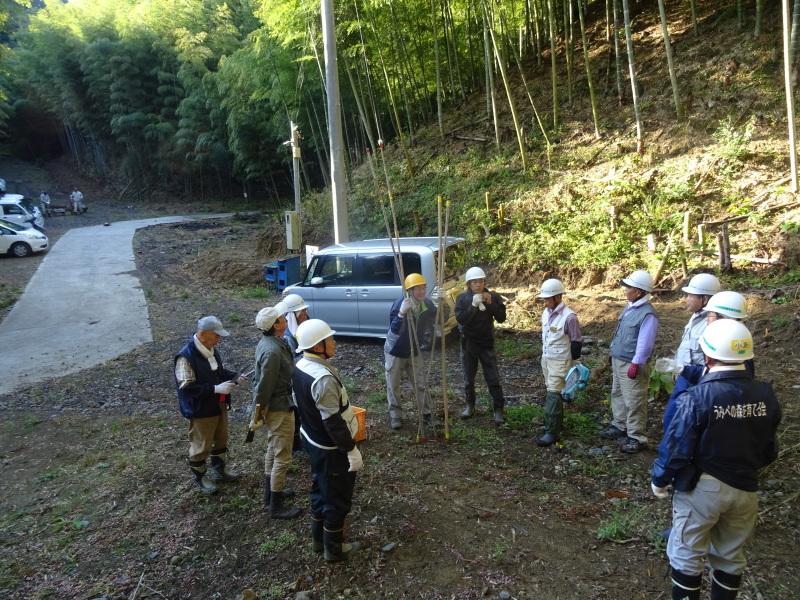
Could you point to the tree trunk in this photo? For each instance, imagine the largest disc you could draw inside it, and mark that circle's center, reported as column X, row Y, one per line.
column 589, row 73
column 632, row 69
column 787, row 74
column 551, row 18
column 618, row 57
column 438, row 70
column 676, row 95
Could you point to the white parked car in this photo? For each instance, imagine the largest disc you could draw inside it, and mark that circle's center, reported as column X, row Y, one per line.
column 17, row 208
column 17, row 240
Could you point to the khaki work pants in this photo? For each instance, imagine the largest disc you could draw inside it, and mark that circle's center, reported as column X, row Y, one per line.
column 207, row 434
column 280, row 437
column 629, row 399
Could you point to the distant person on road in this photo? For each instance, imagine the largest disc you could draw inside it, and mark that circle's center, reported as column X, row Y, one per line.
column 723, row 432
column 477, row 309
column 329, row 427
column 561, row 347
column 44, row 204
column 76, row 202
column 204, row 388
column 631, row 350
column 398, row 349
column 273, row 407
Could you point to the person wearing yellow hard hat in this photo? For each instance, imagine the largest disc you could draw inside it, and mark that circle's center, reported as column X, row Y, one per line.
column 399, row 349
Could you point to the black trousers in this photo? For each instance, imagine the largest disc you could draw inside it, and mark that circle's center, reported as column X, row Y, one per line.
column 332, row 485
column 471, row 356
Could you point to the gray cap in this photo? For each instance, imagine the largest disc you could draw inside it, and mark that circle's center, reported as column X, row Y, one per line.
column 266, row 317
column 212, row 324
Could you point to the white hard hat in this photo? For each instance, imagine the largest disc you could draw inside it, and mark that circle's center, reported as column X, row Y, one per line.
column 704, row 284
column 728, row 304
column 727, row 340
column 294, row 302
column 312, row 332
column 475, row 273
column 266, row 317
column 551, row 287
column 639, row 279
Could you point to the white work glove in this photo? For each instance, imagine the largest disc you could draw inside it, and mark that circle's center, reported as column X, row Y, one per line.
column 659, row 492
column 406, row 306
column 477, row 301
column 224, row 388
column 354, row 457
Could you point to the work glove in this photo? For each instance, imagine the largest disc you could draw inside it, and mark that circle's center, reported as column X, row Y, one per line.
column 477, row 301
column 633, row 370
column 659, row 492
column 224, row 388
column 575, row 350
column 354, row 457
column 436, row 295
column 406, row 306
column 257, row 420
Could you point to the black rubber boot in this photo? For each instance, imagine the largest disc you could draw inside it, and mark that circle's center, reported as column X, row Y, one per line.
column 469, row 410
column 286, row 493
column 219, row 470
column 724, row 586
column 498, row 415
column 201, row 480
column 686, row 587
column 317, row 535
column 553, row 413
column 335, row 547
column 278, row 511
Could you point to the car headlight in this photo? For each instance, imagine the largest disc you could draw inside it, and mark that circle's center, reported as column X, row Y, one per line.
column 34, row 236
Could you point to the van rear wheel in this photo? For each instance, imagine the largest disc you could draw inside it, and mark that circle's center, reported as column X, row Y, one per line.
column 20, row 249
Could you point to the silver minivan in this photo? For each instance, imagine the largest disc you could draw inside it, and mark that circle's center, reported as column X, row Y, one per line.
column 352, row 286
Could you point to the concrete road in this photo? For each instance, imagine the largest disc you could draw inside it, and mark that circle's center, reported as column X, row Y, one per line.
column 82, row 307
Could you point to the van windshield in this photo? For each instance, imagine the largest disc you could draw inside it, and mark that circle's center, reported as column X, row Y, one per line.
column 28, row 205
column 455, row 260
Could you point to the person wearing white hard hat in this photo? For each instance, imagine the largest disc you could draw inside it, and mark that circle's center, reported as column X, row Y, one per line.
column 328, row 430
column 204, row 388
column 477, row 309
column 723, row 305
column 724, row 431
column 631, row 350
column 296, row 313
column 273, row 407
column 399, row 350
column 561, row 347
column 699, row 291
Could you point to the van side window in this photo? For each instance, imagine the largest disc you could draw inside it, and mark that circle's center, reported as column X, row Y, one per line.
column 12, row 209
column 377, row 269
column 412, row 263
column 335, row 270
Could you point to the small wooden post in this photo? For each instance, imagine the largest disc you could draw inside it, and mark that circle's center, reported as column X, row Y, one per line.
column 651, row 242
column 687, row 225
column 701, row 240
column 613, row 212
column 488, row 203
column 501, row 214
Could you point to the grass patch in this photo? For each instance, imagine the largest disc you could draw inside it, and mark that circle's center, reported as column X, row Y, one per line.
column 8, row 295
column 580, row 425
column 282, row 542
column 512, row 348
column 521, row 417
column 621, row 523
column 253, row 291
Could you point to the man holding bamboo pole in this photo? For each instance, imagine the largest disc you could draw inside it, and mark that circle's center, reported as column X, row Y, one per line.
column 401, row 350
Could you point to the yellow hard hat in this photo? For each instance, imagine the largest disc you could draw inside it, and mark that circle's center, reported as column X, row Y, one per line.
column 413, row 280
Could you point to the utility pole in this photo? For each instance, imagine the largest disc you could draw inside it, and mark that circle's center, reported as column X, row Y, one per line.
column 295, row 141
column 341, row 229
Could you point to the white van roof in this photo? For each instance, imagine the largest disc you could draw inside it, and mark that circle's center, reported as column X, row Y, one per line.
column 407, row 243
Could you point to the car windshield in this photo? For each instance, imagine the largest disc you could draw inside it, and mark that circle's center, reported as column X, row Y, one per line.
column 13, row 226
column 455, row 259
column 28, row 205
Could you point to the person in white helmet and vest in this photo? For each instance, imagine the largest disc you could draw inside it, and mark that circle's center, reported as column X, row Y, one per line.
column 273, row 407
column 399, row 349
column 477, row 309
column 328, row 428
column 723, row 432
column 631, row 350
column 561, row 346
column 699, row 291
